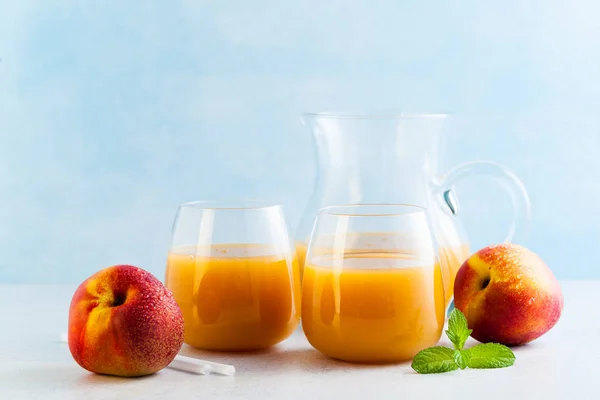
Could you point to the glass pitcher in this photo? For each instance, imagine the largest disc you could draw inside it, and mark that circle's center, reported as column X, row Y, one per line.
column 395, row 158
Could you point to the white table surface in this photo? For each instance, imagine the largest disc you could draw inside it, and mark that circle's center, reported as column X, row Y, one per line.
column 34, row 364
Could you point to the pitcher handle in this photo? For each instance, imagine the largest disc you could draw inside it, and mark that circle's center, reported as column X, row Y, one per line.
column 506, row 178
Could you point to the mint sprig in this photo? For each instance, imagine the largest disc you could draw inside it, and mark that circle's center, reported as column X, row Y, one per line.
column 490, row 355
column 438, row 359
column 435, row 359
column 458, row 330
column 461, row 358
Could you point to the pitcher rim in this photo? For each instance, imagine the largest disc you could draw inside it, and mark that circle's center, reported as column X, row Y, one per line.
column 341, row 114
column 353, row 210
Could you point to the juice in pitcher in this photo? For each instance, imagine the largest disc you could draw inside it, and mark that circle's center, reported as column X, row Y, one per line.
column 450, row 259
column 301, row 257
column 234, row 297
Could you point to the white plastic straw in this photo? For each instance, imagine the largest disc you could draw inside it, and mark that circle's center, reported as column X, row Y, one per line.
column 189, row 366
column 192, row 363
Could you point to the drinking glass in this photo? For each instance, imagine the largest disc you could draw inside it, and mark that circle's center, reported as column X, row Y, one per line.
column 373, row 290
column 233, row 272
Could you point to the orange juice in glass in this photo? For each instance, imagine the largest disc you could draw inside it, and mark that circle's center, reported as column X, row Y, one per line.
column 450, row 260
column 234, row 274
column 372, row 302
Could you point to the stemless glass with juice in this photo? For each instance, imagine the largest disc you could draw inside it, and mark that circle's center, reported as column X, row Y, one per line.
column 368, row 299
column 395, row 158
column 234, row 274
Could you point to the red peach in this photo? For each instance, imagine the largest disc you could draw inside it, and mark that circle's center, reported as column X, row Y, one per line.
column 123, row 321
column 508, row 295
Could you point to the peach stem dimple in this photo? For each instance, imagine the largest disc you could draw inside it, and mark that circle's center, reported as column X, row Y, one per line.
column 119, row 300
column 485, row 283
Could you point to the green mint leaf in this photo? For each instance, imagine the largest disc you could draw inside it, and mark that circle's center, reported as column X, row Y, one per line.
column 434, row 360
column 490, row 355
column 461, row 358
column 458, row 330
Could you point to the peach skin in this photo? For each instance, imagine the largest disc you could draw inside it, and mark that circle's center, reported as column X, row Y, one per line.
column 124, row 322
column 508, row 295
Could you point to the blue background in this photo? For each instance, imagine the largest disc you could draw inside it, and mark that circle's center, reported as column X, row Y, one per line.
column 112, row 113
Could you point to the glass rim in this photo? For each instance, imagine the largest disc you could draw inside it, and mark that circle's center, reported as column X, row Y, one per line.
column 341, row 210
column 341, row 114
column 231, row 205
